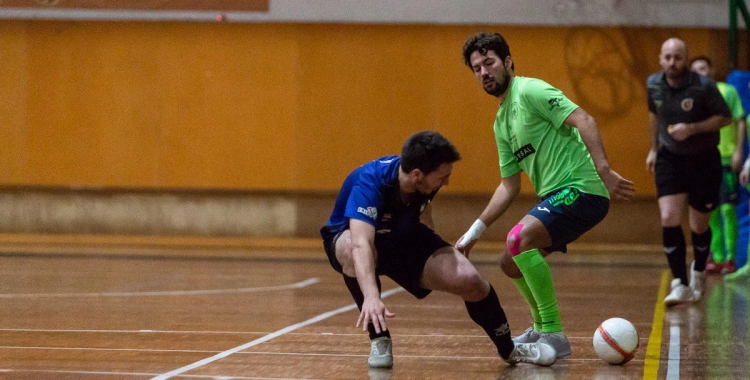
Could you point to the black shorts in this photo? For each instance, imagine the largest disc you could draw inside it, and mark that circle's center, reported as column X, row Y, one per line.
column 698, row 175
column 400, row 256
column 568, row 213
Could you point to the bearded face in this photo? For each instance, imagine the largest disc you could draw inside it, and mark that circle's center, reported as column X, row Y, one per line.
column 490, row 71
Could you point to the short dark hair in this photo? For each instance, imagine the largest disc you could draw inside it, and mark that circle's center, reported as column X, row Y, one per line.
column 702, row 58
column 426, row 151
column 484, row 42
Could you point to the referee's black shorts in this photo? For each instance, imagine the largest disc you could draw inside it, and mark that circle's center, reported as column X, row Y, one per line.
column 697, row 175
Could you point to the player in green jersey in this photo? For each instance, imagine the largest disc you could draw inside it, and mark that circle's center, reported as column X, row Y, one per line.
column 723, row 222
column 538, row 130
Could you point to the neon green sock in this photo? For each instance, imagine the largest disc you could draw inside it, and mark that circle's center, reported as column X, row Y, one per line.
column 731, row 228
column 539, row 280
column 717, row 240
column 523, row 287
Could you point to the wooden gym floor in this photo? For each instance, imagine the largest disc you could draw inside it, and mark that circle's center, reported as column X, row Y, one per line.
column 77, row 312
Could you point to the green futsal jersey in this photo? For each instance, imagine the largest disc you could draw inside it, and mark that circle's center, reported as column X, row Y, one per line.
column 531, row 136
column 728, row 133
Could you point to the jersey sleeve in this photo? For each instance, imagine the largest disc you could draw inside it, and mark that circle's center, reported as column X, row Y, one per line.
column 715, row 103
column 548, row 102
column 652, row 87
column 734, row 102
column 508, row 162
column 364, row 200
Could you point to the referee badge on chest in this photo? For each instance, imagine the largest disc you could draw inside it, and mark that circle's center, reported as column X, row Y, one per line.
column 687, row 104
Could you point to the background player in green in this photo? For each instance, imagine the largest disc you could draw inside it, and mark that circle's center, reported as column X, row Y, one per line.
column 538, row 130
column 723, row 222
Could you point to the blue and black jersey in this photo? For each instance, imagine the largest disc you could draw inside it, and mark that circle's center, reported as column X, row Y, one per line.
column 371, row 194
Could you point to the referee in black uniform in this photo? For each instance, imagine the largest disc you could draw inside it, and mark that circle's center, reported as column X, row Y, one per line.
column 686, row 111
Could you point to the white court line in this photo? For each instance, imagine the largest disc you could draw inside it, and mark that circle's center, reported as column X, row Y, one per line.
column 673, row 360
column 453, row 357
column 144, row 374
column 301, row 284
column 268, row 337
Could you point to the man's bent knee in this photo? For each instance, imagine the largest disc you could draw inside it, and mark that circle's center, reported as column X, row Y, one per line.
column 513, row 240
column 509, row 266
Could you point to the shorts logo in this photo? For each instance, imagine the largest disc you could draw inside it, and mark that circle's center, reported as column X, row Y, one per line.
column 687, row 104
column 566, row 196
column 370, row 212
column 524, row 152
column 544, row 209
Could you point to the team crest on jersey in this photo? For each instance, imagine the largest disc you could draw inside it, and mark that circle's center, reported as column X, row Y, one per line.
column 524, row 152
column 514, row 110
column 371, row 212
column 687, row 104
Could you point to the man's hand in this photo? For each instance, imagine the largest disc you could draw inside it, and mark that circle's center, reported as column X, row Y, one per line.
column 744, row 177
column 679, row 131
column 651, row 161
column 374, row 310
column 464, row 245
column 467, row 241
column 619, row 188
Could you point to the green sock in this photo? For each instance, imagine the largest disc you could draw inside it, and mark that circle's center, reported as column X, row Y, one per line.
column 523, row 287
column 539, row 280
column 730, row 229
column 717, row 238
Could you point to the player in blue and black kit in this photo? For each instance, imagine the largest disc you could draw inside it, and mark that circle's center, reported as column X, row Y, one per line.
column 382, row 225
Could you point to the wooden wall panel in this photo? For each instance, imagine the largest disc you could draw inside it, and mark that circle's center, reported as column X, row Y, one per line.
column 292, row 106
column 154, row 5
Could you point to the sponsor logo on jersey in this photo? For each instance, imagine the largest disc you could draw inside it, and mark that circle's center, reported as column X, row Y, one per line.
column 554, row 102
column 370, row 212
column 524, row 152
column 687, row 104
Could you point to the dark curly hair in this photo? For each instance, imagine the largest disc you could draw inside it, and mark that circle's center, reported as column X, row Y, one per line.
column 484, row 42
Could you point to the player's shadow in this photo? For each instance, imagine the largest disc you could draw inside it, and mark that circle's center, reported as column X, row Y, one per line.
column 533, row 372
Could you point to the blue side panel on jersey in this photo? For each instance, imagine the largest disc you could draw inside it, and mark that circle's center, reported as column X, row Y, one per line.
column 740, row 79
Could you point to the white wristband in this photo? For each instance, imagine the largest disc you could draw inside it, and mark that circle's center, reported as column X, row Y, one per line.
column 746, row 166
column 474, row 232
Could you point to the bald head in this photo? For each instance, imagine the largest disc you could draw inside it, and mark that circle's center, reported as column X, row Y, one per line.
column 673, row 59
column 674, row 45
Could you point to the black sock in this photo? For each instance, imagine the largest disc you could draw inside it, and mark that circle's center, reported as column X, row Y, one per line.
column 359, row 299
column 701, row 248
column 674, row 248
column 488, row 314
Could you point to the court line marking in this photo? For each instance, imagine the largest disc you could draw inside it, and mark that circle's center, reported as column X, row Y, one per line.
column 120, row 374
column 492, row 358
column 268, row 337
column 673, row 363
column 653, row 350
column 297, row 285
column 324, row 333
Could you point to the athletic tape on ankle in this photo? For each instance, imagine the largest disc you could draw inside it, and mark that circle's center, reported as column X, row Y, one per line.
column 514, row 240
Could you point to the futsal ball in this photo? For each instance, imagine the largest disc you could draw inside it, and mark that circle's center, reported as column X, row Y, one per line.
column 616, row 341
